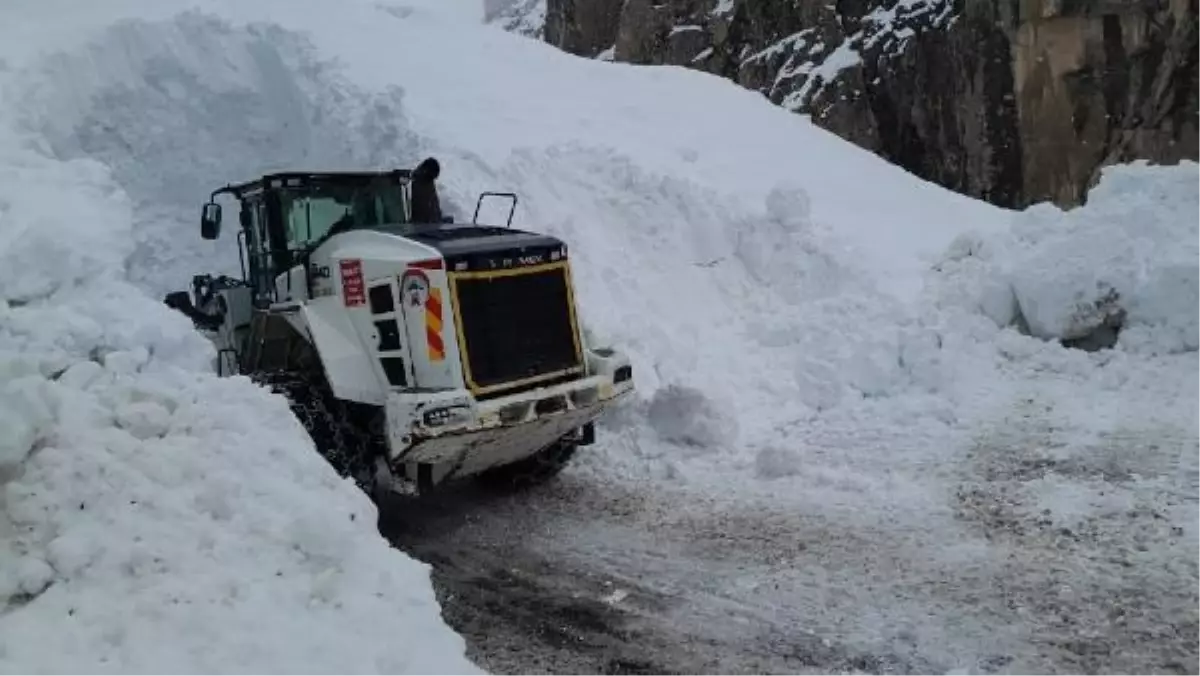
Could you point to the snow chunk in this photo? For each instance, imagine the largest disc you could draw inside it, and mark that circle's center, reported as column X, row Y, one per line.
column 27, row 408
column 1126, row 258
column 686, row 415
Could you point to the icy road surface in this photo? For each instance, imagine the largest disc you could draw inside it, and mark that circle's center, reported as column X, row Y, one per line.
column 585, row 576
column 576, row 579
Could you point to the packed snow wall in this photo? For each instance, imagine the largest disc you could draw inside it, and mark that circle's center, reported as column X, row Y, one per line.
column 154, row 517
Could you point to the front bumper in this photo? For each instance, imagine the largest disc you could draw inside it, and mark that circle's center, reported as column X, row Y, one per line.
column 452, row 427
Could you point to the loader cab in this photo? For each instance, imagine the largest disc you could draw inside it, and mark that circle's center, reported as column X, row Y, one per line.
column 284, row 217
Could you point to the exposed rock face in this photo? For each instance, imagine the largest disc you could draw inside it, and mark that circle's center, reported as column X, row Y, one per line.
column 1099, row 81
column 1014, row 101
column 585, row 28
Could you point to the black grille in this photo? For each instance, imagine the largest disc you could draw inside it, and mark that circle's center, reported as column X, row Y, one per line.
column 516, row 327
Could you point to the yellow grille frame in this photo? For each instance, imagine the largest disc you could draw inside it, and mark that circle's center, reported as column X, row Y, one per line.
column 464, row 357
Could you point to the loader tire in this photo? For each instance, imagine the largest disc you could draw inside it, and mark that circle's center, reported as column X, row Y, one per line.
column 342, row 434
column 532, row 471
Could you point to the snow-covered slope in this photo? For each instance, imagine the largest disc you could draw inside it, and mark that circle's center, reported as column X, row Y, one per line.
column 805, row 320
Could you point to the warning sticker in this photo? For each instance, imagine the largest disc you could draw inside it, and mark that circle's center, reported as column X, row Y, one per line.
column 433, row 325
column 353, row 291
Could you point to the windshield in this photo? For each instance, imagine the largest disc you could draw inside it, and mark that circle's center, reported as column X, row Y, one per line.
column 311, row 213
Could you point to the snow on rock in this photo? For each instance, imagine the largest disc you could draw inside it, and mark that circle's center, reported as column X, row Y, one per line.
column 817, row 73
column 892, row 27
column 155, row 518
column 817, row 62
column 524, row 17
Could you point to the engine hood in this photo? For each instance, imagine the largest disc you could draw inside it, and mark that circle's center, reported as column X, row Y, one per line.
column 471, row 248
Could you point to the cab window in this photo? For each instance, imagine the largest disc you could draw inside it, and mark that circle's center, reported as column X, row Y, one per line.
column 310, row 215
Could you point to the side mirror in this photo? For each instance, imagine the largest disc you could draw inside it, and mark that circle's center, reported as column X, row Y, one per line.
column 210, row 221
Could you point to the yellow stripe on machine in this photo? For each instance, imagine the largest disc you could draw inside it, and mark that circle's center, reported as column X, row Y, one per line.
column 433, row 325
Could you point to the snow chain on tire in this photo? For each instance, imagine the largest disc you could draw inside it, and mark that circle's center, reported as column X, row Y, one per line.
column 348, row 443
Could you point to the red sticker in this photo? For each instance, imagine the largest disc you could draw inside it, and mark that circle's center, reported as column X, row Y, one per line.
column 353, row 290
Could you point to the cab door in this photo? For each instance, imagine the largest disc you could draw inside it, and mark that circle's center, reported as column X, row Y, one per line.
column 259, row 272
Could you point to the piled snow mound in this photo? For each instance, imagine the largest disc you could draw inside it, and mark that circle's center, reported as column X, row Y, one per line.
column 1128, row 259
column 155, row 518
column 756, row 263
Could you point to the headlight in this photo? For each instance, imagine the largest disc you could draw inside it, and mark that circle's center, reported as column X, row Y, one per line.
column 447, row 415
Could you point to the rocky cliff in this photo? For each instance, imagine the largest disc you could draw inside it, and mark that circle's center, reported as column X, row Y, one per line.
column 1014, row 101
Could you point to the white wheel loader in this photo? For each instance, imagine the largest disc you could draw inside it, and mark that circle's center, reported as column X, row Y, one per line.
column 415, row 350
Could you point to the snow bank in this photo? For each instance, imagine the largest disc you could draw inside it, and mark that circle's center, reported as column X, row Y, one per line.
column 155, row 518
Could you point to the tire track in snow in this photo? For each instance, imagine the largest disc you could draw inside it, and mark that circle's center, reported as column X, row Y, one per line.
column 588, row 575
column 521, row 610
column 576, row 578
column 1098, row 560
